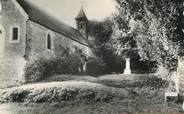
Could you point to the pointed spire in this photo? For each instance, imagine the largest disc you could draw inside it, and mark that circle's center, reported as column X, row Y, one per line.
column 81, row 14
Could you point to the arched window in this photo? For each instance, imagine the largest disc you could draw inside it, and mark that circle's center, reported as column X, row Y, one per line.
column 49, row 42
column 15, row 33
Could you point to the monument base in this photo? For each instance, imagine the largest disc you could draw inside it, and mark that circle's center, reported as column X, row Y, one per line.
column 127, row 71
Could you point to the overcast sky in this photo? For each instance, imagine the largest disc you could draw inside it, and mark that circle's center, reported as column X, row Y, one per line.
column 66, row 10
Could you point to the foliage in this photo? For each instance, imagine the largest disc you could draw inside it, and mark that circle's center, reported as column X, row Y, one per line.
column 35, row 67
column 96, row 67
column 154, row 82
column 101, row 31
column 114, row 62
column 156, row 26
column 163, row 73
column 142, row 67
column 60, row 92
column 41, row 66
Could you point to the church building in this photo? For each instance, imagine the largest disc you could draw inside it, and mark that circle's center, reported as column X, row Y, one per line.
column 26, row 29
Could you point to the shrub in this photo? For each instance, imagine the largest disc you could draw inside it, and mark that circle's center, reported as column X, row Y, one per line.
column 114, row 62
column 61, row 92
column 39, row 67
column 74, row 62
column 95, row 67
column 33, row 72
column 154, row 82
column 163, row 72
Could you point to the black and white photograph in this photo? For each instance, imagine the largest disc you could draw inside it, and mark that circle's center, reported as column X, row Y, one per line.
column 91, row 56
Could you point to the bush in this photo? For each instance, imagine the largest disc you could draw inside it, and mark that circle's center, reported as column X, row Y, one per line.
column 113, row 61
column 95, row 67
column 62, row 92
column 34, row 70
column 154, row 82
column 39, row 67
column 74, row 62
column 163, row 72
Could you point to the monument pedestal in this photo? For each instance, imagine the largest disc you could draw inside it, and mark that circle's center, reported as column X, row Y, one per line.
column 127, row 67
column 84, row 67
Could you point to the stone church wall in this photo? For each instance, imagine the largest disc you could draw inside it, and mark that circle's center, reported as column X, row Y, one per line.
column 13, row 59
column 38, row 38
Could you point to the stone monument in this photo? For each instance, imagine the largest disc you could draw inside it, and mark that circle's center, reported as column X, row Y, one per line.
column 127, row 67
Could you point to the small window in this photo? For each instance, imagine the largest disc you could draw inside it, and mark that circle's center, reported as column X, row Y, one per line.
column 49, row 42
column 15, row 33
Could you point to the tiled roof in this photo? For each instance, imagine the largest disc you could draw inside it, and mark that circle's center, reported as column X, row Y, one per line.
column 41, row 17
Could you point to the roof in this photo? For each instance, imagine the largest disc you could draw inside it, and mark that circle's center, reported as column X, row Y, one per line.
column 81, row 15
column 41, row 17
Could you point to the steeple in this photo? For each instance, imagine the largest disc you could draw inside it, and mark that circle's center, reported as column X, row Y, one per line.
column 82, row 22
column 81, row 14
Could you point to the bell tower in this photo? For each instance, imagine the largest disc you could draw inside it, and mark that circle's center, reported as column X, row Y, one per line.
column 82, row 23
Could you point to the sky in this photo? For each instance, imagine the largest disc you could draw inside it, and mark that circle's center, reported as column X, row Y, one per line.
column 67, row 10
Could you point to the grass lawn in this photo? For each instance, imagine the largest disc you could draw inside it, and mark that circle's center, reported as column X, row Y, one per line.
column 8, row 81
column 110, row 94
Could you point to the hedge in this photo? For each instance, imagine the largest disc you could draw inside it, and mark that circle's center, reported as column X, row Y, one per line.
column 42, row 66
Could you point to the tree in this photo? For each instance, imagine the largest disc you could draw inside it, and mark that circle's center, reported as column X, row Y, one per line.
column 102, row 32
column 155, row 25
